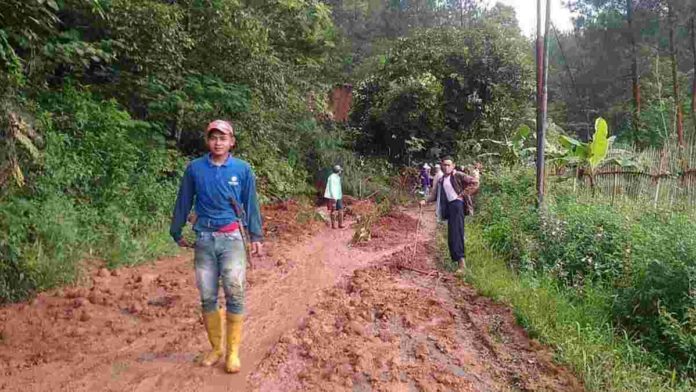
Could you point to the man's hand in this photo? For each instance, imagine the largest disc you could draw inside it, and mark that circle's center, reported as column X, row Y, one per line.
column 256, row 248
column 183, row 243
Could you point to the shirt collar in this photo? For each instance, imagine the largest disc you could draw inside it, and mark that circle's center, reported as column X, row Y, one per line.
column 227, row 162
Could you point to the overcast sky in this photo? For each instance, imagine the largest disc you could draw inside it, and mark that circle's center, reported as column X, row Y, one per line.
column 526, row 14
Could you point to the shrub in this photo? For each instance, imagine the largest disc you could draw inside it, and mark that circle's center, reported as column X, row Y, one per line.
column 104, row 189
column 645, row 259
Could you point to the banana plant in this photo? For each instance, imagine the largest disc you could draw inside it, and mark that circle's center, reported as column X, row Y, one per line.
column 590, row 155
column 513, row 150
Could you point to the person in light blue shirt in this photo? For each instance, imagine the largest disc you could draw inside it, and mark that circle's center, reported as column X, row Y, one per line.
column 334, row 196
column 223, row 190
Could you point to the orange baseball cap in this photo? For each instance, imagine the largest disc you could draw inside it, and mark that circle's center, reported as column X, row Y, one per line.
column 220, row 125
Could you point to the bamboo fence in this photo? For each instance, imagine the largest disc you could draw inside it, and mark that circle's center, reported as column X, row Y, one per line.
column 666, row 178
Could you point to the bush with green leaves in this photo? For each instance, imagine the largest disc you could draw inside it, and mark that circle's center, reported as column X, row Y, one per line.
column 103, row 189
column 444, row 86
column 642, row 259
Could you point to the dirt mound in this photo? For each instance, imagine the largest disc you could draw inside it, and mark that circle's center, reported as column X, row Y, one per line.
column 289, row 221
column 357, row 208
column 390, row 328
column 373, row 335
column 389, row 230
column 117, row 309
column 417, row 256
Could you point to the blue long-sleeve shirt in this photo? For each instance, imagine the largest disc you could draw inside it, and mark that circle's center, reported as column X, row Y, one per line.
column 213, row 187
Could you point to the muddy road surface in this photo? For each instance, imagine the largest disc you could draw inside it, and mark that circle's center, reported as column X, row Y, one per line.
column 321, row 316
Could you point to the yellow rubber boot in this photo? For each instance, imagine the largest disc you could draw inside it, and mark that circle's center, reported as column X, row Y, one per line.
column 234, row 338
column 213, row 325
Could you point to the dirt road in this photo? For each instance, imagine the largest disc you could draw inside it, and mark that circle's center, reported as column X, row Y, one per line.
column 321, row 316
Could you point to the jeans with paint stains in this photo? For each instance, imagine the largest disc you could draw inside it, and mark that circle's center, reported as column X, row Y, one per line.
column 220, row 256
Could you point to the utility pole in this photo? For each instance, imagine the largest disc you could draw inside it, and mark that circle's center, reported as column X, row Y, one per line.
column 542, row 63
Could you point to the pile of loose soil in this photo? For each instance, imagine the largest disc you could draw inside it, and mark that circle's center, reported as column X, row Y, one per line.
column 390, row 329
column 289, row 221
column 390, row 230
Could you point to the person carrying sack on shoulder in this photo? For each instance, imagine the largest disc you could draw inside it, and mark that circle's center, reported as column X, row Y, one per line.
column 454, row 192
column 214, row 182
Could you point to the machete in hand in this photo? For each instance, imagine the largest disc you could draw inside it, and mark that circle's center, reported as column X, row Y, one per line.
column 239, row 211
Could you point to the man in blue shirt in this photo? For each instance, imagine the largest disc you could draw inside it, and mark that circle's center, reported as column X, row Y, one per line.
column 215, row 183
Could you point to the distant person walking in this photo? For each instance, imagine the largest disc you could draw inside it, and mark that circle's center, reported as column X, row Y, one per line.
column 334, row 197
column 425, row 179
column 454, row 190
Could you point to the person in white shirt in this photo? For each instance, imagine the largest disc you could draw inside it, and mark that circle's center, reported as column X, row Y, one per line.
column 334, row 196
column 454, row 192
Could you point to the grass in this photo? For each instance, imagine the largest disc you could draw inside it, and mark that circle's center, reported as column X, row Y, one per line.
column 580, row 333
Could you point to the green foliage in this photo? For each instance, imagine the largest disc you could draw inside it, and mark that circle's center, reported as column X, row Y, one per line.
column 37, row 246
column 645, row 260
column 10, row 64
column 103, row 186
column 362, row 175
column 229, row 39
column 365, row 23
column 513, row 150
column 656, row 300
column 200, row 99
column 25, row 24
column 598, row 148
column 591, row 154
column 580, row 331
column 366, row 221
column 588, row 76
column 19, row 144
column 28, row 21
column 114, row 86
column 153, row 36
column 68, row 50
column 302, row 30
column 436, row 85
column 657, row 111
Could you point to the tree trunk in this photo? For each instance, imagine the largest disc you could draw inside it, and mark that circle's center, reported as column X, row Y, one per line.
column 693, row 82
column 634, row 67
column 675, row 76
column 592, row 183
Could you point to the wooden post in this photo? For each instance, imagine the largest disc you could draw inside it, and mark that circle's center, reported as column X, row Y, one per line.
column 575, row 179
column 613, row 192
